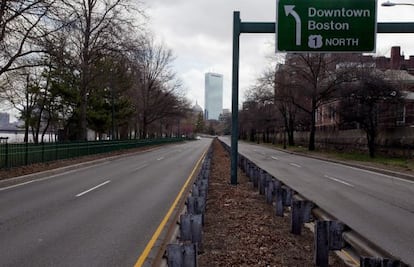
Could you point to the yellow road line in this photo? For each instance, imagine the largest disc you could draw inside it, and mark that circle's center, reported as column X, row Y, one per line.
column 349, row 256
column 164, row 221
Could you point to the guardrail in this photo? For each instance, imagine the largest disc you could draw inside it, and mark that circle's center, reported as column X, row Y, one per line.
column 16, row 155
column 329, row 233
column 183, row 239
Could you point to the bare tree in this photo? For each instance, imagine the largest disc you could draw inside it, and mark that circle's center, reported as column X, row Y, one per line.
column 286, row 93
column 23, row 24
column 25, row 98
column 317, row 79
column 263, row 111
column 156, row 90
column 97, row 28
column 365, row 99
column 247, row 123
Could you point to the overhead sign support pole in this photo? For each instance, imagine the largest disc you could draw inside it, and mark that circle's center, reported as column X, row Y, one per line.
column 269, row 27
column 238, row 28
column 235, row 97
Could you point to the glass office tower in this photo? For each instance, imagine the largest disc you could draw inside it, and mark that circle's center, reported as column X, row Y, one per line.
column 213, row 95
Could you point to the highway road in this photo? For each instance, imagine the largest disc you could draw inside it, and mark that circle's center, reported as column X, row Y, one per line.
column 100, row 215
column 379, row 207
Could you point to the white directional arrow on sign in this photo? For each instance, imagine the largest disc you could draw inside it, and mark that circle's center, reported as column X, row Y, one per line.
column 289, row 11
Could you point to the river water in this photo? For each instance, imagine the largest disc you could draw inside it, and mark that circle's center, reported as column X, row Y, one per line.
column 18, row 137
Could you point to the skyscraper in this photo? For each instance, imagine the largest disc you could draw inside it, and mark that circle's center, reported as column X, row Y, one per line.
column 213, row 95
column 4, row 119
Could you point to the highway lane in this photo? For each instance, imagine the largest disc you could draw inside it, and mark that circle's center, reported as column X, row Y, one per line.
column 101, row 215
column 378, row 206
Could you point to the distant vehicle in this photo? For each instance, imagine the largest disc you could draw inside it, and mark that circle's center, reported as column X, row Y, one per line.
column 198, row 137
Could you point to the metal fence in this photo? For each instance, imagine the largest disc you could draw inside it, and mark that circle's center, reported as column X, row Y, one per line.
column 16, row 155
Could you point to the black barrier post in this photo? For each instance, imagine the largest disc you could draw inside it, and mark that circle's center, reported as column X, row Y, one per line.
column 174, row 255
column 378, row 262
column 296, row 219
column 279, row 201
column 322, row 243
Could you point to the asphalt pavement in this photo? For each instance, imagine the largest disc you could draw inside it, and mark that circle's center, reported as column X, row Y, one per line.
column 102, row 214
column 378, row 206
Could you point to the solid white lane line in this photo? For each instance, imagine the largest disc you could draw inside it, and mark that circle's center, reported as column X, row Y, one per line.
column 274, row 158
column 16, row 185
column 338, row 180
column 49, row 177
column 93, row 188
column 296, row 165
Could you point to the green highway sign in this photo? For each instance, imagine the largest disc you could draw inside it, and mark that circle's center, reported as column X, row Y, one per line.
column 326, row 25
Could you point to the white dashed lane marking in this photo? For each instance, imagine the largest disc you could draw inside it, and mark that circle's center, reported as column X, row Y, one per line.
column 93, row 188
column 295, row 165
column 338, row 180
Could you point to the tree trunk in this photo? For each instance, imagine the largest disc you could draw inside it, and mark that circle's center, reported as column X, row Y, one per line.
column 26, row 113
column 85, row 57
column 371, row 137
column 45, row 129
column 26, row 130
column 291, row 140
column 252, row 134
column 35, row 135
column 291, row 129
column 312, row 127
column 38, row 124
column 144, row 128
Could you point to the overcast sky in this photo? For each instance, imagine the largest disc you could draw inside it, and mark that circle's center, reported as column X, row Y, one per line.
column 200, row 34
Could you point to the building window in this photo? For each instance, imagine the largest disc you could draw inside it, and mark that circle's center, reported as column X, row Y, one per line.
column 332, row 114
column 400, row 114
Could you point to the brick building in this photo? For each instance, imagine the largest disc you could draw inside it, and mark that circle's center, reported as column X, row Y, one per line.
column 397, row 70
column 397, row 123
